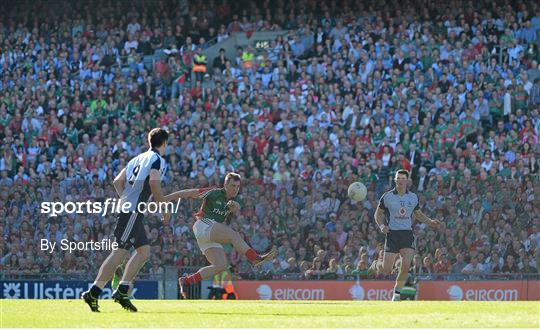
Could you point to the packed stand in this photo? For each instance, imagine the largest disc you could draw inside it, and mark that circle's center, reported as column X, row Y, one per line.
column 353, row 92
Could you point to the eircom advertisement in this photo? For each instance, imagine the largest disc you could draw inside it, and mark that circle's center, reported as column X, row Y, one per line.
column 480, row 290
column 314, row 290
column 67, row 289
column 382, row 290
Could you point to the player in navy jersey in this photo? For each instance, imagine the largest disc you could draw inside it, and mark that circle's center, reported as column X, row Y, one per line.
column 136, row 183
column 399, row 206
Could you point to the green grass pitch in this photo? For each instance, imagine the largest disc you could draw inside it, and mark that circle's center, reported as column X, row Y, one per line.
column 270, row 314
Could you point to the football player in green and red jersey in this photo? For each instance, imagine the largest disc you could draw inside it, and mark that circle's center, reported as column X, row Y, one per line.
column 211, row 230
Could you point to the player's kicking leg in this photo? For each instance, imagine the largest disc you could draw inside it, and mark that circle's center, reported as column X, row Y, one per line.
column 106, row 272
column 223, row 234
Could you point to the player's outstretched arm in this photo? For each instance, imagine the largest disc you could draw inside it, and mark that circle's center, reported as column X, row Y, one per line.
column 186, row 193
column 119, row 181
column 420, row 216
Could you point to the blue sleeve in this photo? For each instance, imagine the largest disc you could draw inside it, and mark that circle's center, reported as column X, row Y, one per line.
column 382, row 206
column 156, row 165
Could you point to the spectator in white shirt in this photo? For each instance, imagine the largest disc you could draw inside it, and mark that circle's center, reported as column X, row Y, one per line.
column 133, row 27
column 130, row 44
column 473, row 268
column 507, row 105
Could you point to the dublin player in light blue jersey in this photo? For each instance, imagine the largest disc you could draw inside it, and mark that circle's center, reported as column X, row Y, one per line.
column 136, row 183
column 399, row 206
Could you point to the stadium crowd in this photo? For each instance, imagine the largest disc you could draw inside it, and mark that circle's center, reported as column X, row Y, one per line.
column 353, row 91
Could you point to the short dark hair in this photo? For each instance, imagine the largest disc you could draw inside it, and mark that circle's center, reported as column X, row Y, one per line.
column 157, row 137
column 403, row 171
column 233, row 176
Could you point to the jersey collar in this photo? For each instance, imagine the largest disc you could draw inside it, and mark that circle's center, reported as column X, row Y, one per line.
column 222, row 189
column 395, row 192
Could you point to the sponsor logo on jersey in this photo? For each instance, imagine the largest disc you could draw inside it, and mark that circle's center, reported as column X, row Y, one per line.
column 220, row 212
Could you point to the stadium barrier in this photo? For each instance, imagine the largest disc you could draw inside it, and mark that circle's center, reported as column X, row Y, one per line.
column 60, row 289
column 71, row 285
column 382, row 290
column 62, row 286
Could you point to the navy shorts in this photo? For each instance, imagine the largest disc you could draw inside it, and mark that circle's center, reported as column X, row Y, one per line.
column 129, row 231
column 399, row 239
